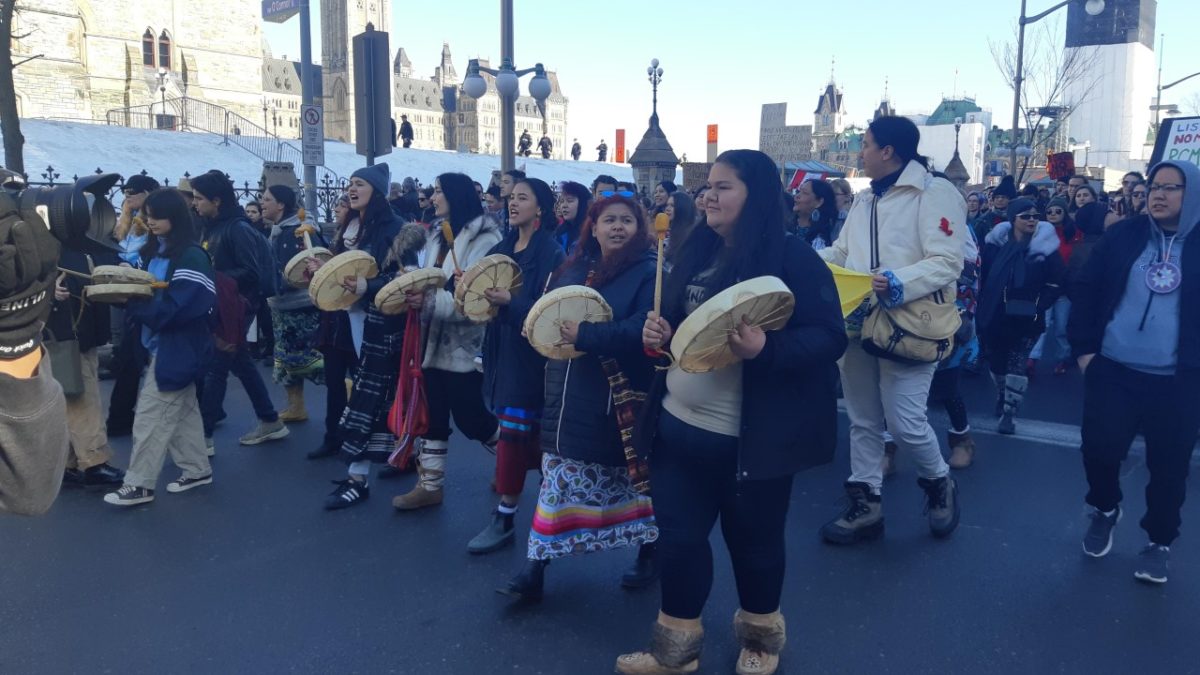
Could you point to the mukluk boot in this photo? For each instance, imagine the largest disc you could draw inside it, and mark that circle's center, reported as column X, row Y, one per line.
column 295, row 411
column 432, row 477
column 762, row 637
column 1015, row 387
column 675, row 646
column 962, row 449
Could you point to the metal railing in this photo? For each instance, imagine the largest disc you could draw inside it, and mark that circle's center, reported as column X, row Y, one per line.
column 328, row 189
column 189, row 114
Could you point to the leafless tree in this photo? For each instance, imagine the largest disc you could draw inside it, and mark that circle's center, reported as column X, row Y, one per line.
column 1191, row 104
column 1051, row 74
column 10, row 120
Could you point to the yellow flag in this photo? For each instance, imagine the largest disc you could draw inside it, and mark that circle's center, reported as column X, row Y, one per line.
column 852, row 287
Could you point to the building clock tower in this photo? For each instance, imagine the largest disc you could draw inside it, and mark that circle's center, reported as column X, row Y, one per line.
column 341, row 20
column 1111, row 101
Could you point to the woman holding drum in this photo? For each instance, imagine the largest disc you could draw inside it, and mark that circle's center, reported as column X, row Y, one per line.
column 727, row 442
column 293, row 316
column 452, row 383
column 362, row 331
column 513, row 373
column 173, row 328
column 588, row 501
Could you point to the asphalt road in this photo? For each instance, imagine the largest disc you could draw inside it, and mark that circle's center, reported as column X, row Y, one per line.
column 251, row 575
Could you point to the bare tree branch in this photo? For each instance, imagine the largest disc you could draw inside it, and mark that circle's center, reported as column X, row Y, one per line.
column 35, row 56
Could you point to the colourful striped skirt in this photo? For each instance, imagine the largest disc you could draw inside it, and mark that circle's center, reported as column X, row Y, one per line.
column 584, row 507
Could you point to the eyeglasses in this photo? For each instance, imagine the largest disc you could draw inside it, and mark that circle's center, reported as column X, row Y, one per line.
column 1054, row 212
column 1165, row 188
column 1027, row 216
column 621, row 193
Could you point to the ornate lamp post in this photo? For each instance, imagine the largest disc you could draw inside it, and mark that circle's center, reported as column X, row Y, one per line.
column 162, row 90
column 655, row 73
column 507, row 85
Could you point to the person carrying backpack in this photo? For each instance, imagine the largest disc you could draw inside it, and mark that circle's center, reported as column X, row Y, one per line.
column 239, row 253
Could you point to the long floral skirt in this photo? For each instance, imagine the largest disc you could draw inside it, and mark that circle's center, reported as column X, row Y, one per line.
column 584, row 508
column 296, row 355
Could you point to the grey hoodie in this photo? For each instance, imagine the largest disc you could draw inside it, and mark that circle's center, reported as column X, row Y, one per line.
column 1144, row 331
column 33, row 441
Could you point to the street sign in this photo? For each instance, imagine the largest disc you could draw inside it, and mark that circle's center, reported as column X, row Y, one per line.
column 313, row 136
column 372, row 94
column 278, row 11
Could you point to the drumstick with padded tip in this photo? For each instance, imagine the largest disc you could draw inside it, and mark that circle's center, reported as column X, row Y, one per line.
column 662, row 224
column 449, row 234
column 304, row 228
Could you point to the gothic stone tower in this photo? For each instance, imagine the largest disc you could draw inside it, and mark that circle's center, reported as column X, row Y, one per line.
column 1110, row 103
column 341, row 20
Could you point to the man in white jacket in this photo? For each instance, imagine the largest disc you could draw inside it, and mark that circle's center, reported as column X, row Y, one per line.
column 920, row 225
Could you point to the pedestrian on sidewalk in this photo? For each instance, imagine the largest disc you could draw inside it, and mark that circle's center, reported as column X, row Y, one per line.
column 1022, row 278
column 1135, row 329
column 513, row 373
column 453, row 385
column 173, row 327
column 296, row 357
column 376, row 338
column 725, row 444
column 908, row 232
column 235, row 249
column 588, row 501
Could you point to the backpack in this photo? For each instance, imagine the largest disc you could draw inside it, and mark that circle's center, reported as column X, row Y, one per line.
column 229, row 318
column 266, row 276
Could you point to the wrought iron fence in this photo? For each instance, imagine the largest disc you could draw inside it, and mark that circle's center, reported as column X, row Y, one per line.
column 328, row 188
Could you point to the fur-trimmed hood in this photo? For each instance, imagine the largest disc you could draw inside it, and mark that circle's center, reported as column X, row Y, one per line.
column 407, row 244
column 1044, row 241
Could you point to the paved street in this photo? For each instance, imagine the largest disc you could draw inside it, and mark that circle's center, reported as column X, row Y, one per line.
column 251, row 575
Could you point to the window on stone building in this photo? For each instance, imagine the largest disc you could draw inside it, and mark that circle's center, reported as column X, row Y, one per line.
column 148, row 49
column 164, row 50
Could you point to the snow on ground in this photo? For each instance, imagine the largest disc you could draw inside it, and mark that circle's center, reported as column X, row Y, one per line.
column 79, row 149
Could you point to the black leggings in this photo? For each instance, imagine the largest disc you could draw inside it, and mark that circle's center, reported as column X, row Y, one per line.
column 944, row 390
column 693, row 474
column 460, row 394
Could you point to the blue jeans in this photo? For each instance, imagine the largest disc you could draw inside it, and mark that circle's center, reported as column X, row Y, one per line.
column 1056, row 333
column 242, row 366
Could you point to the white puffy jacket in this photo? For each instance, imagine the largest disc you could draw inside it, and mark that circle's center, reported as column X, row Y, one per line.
column 454, row 340
column 922, row 233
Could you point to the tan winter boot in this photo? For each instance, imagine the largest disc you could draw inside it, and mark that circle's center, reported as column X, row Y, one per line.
column 675, row 646
column 762, row 637
column 428, row 490
column 295, row 411
column 962, row 449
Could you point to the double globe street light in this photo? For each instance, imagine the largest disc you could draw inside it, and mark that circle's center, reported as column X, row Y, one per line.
column 507, row 85
column 1093, row 8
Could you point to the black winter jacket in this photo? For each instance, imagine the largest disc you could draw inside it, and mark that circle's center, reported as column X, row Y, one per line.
column 789, row 399
column 578, row 421
column 72, row 318
column 1098, row 288
column 234, row 246
column 513, row 373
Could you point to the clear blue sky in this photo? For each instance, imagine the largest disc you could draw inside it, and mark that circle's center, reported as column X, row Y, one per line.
column 722, row 61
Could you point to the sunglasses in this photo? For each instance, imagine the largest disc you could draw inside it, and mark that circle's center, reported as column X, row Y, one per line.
column 1054, row 212
column 620, row 193
column 1027, row 216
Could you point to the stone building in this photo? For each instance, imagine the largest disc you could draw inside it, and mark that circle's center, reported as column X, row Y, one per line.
column 94, row 56
column 282, row 95
column 341, row 20
column 828, row 139
column 783, row 142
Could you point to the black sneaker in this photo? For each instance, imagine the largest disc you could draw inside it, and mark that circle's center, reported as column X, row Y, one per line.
column 1152, row 564
column 1099, row 538
column 182, row 484
column 941, row 504
column 322, row 450
column 103, row 474
column 129, row 495
column 347, row 493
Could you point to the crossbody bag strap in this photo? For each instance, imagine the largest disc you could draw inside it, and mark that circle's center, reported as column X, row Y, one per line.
column 874, row 233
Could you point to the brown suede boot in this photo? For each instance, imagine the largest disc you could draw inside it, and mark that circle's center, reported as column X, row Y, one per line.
column 962, row 449
column 421, row 495
column 295, row 411
column 762, row 637
column 675, row 646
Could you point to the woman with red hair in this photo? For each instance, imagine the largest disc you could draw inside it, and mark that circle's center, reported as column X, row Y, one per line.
column 591, row 497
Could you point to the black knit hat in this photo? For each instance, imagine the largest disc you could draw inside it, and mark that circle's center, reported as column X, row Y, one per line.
column 1006, row 188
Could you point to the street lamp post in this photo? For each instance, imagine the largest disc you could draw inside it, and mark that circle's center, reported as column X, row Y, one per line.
column 1158, row 104
column 507, row 85
column 1092, row 7
column 266, row 129
column 162, row 90
column 655, row 74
